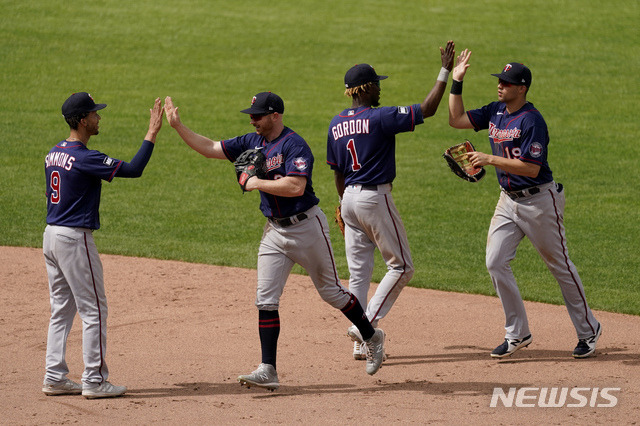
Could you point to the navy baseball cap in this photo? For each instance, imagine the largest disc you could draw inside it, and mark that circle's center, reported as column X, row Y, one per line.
column 265, row 103
column 515, row 73
column 80, row 103
column 360, row 74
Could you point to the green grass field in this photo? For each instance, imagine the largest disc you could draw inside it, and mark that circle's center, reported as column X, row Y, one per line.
column 213, row 56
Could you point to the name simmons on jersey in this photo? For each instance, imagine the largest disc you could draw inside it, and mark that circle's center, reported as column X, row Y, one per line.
column 59, row 159
column 350, row 127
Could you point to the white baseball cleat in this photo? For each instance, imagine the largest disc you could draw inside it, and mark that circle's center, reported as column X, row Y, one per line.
column 509, row 346
column 359, row 351
column 375, row 352
column 264, row 377
column 68, row 387
column 103, row 390
column 587, row 347
column 354, row 333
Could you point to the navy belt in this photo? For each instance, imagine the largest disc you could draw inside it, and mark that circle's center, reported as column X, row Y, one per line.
column 367, row 187
column 288, row 221
column 514, row 195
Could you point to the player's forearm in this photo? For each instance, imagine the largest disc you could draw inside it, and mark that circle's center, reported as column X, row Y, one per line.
column 288, row 186
column 458, row 118
column 514, row 166
column 430, row 104
column 138, row 163
column 199, row 143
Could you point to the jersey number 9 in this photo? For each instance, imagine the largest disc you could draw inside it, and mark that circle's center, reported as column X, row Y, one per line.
column 54, row 182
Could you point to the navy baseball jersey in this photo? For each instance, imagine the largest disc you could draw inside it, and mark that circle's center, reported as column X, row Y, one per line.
column 74, row 181
column 361, row 142
column 287, row 155
column 522, row 135
column 74, row 176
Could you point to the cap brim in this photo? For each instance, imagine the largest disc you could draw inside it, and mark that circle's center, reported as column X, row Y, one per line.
column 507, row 79
column 254, row 111
column 98, row 107
column 356, row 84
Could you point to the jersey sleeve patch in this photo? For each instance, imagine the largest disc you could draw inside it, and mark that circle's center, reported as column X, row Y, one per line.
column 108, row 161
column 300, row 163
column 403, row 110
column 536, row 149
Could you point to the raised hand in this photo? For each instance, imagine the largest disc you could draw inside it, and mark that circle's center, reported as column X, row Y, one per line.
column 171, row 112
column 447, row 55
column 462, row 63
column 155, row 121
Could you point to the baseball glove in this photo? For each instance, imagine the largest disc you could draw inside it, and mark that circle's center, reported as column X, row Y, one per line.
column 457, row 161
column 250, row 163
column 339, row 220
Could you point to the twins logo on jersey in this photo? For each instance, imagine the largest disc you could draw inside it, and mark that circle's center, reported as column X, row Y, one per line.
column 503, row 135
column 536, row 149
column 300, row 163
column 274, row 162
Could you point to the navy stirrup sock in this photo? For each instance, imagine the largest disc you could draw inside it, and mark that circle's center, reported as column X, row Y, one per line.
column 269, row 330
column 356, row 315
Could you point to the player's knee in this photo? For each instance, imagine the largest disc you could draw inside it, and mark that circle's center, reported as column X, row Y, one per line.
column 405, row 274
column 496, row 264
column 92, row 319
column 408, row 271
column 336, row 300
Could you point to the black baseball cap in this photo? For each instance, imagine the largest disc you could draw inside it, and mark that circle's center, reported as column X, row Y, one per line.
column 265, row 103
column 515, row 73
column 360, row 74
column 79, row 103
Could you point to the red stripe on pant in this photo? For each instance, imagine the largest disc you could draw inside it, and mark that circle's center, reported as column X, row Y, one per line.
column 401, row 254
column 566, row 262
column 95, row 292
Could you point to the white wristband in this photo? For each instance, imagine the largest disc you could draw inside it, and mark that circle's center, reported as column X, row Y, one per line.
column 444, row 75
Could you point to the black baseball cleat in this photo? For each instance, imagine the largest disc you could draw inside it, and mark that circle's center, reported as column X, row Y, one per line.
column 587, row 347
column 509, row 346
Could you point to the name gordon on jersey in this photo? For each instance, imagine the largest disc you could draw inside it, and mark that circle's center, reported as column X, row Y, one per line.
column 350, row 127
column 59, row 159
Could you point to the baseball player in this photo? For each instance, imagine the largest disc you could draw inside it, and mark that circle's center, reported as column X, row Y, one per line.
column 74, row 174
column 296, row 230
column 361, row 151
column 531, row 204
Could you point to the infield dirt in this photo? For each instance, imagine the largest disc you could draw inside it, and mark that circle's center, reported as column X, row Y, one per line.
column 179, row 334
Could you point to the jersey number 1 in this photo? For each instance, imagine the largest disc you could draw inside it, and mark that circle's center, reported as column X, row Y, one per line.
column 54, row 182
column 351, row 146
